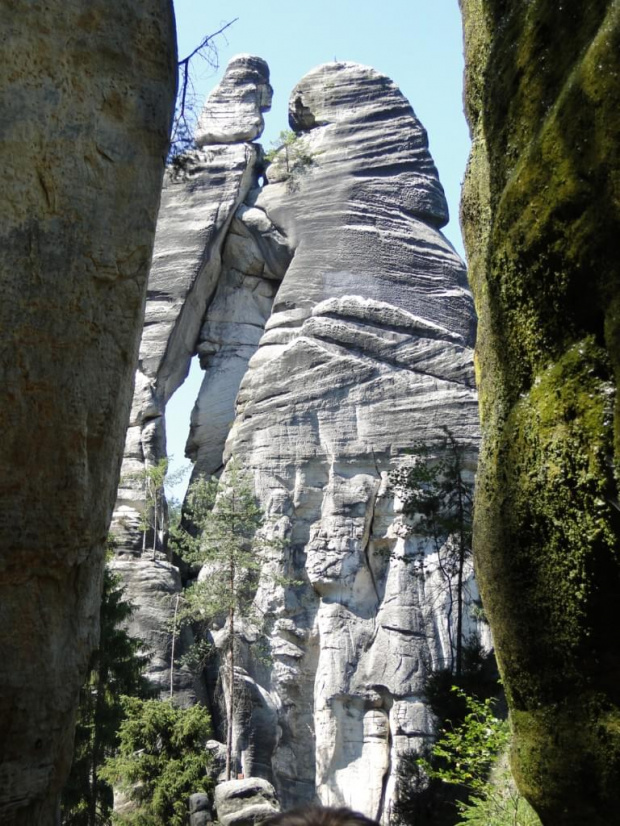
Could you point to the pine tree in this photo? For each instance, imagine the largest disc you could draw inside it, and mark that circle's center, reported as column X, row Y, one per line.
column 116, row 668
column 161, row 760
column 226, row 537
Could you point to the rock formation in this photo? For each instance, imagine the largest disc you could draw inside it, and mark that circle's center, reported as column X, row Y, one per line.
column 328, row 379
column 86, row 110
column 199, row 201
column 245, row 802
column 541, row 215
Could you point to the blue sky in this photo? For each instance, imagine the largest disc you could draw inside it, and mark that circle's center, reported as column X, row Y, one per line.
column 416, row 43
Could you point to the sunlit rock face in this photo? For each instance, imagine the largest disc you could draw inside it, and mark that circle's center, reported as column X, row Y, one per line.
column 334, row 327
column 540, row 215
column 85, row 110
column 367, row 350
column 234, row 110
column 191, row 272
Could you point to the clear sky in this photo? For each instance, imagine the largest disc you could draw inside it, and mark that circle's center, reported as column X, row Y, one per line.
column 418, row 44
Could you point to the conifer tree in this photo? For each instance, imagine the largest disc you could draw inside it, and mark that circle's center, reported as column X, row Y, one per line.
column 437, row 495
column 226, row 522
column 116, row 668
column 160, row 761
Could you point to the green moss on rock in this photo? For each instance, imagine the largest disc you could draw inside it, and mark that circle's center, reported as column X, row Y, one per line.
column 541, row 216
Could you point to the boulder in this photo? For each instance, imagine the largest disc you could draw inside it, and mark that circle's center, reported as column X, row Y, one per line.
column 234, row 110
column 245, row 802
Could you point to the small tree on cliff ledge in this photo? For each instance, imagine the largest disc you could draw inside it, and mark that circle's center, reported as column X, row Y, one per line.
column 435, row 493
column 230, row 549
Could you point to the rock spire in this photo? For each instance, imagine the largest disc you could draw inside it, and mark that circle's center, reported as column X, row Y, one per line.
column 335, row 328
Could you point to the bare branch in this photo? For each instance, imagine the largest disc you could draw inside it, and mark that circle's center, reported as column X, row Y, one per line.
column 206, row 42
column 181, row 138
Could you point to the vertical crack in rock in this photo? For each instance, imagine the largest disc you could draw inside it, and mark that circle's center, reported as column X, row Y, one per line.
column 367, row 538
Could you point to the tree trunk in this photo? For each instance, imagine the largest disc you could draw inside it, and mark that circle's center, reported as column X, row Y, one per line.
column 174, row 636
column 231, row 693
column 462, row 553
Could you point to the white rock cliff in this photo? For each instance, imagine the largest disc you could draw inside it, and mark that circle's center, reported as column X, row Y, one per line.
column 334, row 325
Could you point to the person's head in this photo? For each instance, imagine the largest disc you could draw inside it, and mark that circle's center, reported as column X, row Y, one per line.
column 319, row 816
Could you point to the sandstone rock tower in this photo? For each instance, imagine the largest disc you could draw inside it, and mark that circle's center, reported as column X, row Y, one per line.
column 334, row 325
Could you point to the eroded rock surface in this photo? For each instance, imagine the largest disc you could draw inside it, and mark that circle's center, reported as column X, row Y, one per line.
column 85, row 111
column 234, row 110
column 200, row 198
column 335, row 329
column 245, row 802
column 541, row 215
column 367, row 350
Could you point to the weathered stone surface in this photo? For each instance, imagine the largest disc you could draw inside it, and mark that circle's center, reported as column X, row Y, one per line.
column 233, row 326
column 85, row 107
column 245, row 802
column 541, row 216
column 364, row 350
column 234, row 110
column 199, row 201
column 200, row 819
column 199, row 802
column 367, row 350
column 152, row 587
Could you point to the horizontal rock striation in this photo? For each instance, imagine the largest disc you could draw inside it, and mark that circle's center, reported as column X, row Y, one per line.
column 202, row 192
column 234, row 110
column 334, row 326
column 366, row 352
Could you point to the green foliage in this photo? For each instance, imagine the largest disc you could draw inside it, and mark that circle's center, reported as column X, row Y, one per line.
column 152, row 479
column 116, row 668
column 469, row 749
column 222, row 535
column 478, row 678
column 290, row 149
column 286, row 140
column 161, row 760
column 472, row 756
column 499, row 802
column 419, row 799
column 225, row 521
column 438, row 499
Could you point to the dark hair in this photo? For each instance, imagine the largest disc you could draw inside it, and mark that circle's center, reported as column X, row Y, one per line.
column 319, row 816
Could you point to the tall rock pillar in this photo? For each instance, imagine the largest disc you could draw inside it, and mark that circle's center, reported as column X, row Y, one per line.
column 541, row 216
column 86, row 98
column 366, row 352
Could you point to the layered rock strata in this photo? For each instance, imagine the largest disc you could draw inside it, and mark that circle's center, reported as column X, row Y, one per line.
column 335, row 328
column 85, row 110
column 200, row 197
column 541, row 214
column 367, row 351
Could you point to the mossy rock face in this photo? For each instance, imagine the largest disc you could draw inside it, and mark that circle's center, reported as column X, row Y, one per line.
column 541, row 217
